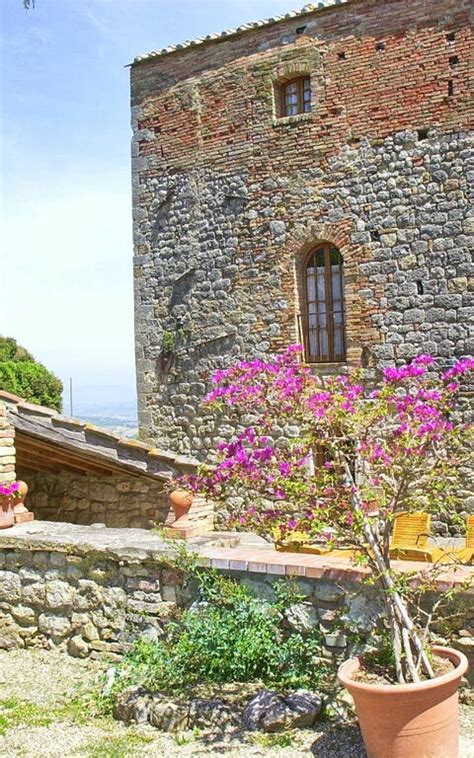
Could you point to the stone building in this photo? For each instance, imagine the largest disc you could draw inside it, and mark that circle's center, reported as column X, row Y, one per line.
column 301, row 179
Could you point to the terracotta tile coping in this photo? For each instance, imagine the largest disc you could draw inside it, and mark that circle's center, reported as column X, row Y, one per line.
column 316, row 566
column 141, row 544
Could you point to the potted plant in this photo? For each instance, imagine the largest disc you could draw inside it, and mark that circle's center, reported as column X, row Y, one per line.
column 9, row 494
column 392, row 450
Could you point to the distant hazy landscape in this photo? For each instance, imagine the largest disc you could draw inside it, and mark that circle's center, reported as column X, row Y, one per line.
column 118, row 416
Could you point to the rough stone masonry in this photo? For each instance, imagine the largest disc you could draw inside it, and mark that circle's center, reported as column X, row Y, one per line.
column 229, row 196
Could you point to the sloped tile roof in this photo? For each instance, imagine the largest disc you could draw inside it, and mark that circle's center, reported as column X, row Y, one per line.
column 309, row 8
column 89, row 442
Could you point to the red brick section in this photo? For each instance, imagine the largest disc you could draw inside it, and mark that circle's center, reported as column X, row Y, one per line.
column 317, row 567
column 209, row 106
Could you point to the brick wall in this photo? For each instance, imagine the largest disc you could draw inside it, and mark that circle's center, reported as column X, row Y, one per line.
column 228, row 198
column 7, row 448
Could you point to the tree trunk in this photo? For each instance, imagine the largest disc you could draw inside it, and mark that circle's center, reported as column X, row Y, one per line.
column 401, row 625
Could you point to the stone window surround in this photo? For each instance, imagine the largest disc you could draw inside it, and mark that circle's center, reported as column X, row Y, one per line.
column 283, row 74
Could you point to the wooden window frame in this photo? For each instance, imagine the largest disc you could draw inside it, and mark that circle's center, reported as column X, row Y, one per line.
column 304, row 322
column 300, row 87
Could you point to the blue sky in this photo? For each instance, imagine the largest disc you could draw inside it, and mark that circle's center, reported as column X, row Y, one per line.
column 65, row 227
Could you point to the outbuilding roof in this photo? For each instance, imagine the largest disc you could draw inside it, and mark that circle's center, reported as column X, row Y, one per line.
column 309, row 8
column 45, row 439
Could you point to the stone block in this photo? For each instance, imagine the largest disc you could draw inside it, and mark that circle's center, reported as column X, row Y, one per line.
column 328, row 592
column 34, row 594
column 77, row 647
column 10, row 586
column 23, row 614
column 59, row 594
column 54, row 627
column 168, row 716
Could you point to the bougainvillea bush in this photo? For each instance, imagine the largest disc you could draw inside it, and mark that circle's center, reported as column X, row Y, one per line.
column 355, row 458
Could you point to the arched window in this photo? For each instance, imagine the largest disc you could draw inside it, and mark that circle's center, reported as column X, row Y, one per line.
column 323, row 317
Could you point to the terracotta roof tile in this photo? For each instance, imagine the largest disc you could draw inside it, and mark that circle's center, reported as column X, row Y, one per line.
column 309, row 8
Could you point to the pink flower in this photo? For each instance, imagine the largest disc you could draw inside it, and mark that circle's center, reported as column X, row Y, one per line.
column 423, row 360
column 285, row 468
column 460, row 367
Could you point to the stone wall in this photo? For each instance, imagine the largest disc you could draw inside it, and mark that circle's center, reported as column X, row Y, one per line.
column 93, row 591
column 118, row 500
column 228, row 198
column 7, row 448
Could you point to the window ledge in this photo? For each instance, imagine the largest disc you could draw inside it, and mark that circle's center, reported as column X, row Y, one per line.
column 287, row 120
column 335, row 367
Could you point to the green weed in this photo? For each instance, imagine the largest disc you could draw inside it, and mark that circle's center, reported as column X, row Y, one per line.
column 273, row 740
column 116, row 747
column 14, row 712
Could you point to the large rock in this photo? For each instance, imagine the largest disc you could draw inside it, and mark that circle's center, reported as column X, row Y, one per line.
column 34, row 594
column 168, row 716
column 89, row 596
column 270, row 712
column 54, row 627
column 24, row 615
column 9, row 633
column 77, row 647
column 305, row 707
column 302, row 617
column 133, row 705
column 266, row 712
column 328, row 592
column 364, row 613
column 212, row 715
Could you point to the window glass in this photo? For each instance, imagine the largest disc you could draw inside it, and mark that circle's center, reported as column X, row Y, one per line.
column 296, row 96
column 322, row 319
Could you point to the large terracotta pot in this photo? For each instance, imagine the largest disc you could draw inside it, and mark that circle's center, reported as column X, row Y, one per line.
column 409, row 720
column 7, row 515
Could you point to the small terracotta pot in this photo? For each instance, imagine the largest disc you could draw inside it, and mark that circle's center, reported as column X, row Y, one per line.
column 409, row 720
column 7, row 514
column 181, row 501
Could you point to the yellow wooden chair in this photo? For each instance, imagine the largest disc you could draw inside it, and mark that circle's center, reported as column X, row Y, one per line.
column 410, row 536
column 296, row 542
column 409, row 542
column 464, row 554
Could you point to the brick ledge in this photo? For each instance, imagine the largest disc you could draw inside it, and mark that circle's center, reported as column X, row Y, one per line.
column 136, row 545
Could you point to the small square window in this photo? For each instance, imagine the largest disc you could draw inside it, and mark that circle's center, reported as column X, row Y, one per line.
column 296, row 96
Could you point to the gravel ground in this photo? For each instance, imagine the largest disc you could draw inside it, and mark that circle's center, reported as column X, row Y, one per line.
column 44, row 715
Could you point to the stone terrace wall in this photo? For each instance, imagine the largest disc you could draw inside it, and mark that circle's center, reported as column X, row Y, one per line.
column 229, row 198
column 95, row 590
